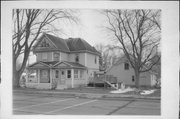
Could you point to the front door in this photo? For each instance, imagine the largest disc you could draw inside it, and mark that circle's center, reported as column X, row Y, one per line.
column 63, row 77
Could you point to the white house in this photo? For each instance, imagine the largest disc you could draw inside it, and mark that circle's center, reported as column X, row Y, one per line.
column 62, row 63
column 125, row 73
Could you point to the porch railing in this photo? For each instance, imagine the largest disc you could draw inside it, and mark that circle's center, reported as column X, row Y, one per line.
column 108, row 79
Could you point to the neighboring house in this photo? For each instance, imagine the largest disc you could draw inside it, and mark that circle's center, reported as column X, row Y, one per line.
column 62, row 63
column 125, row 73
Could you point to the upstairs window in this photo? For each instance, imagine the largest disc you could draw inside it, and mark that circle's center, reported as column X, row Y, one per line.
column 126, row 66
column 77, row 58
column 95, row 60
column 56, row 56
column 44, row 56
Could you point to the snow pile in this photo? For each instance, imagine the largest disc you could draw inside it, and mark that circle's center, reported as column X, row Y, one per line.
column 123, row 90
column 147, row 92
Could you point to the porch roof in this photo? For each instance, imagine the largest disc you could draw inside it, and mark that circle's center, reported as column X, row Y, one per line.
column 54, row 64
column 69, row 65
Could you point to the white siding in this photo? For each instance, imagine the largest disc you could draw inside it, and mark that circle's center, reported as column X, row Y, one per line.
column 63, row 56
column 49, row 56
column 121, row 74
column 126, row 75
column 90, row 63
column 71, row 58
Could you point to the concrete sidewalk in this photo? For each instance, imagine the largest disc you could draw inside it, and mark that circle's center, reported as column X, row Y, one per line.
column 84, row 95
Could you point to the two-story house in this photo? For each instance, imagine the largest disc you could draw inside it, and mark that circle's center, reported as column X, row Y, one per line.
column 62, row 63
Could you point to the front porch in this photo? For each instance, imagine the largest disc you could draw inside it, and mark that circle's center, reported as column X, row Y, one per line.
column 61, row 75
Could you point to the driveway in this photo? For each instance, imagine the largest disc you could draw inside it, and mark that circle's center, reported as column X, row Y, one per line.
column 42, row 104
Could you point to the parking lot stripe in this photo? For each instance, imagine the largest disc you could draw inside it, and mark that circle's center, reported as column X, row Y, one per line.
column 43, row 104
column 70, row 106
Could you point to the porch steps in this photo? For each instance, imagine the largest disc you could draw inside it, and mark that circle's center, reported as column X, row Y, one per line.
column 106, row 79
column 111, row 85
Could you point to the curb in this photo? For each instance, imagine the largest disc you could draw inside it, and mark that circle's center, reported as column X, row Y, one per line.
column 88, row 95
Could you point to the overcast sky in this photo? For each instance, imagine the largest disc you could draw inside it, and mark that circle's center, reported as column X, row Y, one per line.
column 90, row 29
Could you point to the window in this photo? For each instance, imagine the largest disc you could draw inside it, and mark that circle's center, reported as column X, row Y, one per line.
column 77, row 58
column 56, row 56
column 32, row 76
column 126, row 66
column 44, row 56
column 81, row 73
column 95, row 60
column 133, row 79
column 44, row 44
column 68, row 73
column 62, row 73
column 44, row 76
column 75, row 73
column 57, row 74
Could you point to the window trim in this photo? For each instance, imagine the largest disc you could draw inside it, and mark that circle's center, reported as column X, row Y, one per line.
column 76, row 74
column 77, row 58
column 126, row 66
column 68, row 71
column 56, row 55
column 44, row 56
column 57, row 74
column 133, row 79
column 95, row 60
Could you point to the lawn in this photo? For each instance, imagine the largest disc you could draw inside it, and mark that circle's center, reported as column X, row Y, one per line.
column 101, row 90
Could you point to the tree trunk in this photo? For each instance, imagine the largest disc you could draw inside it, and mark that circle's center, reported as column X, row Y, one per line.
column 137, row 76
column 16, row 76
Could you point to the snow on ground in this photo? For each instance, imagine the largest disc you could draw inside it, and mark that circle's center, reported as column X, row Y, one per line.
column 123, row 90
column 147, row 92
column 142, row 92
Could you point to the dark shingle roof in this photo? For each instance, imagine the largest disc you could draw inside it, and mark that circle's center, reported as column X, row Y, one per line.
column 78, row 44
column 71, row 44
column 59, row 42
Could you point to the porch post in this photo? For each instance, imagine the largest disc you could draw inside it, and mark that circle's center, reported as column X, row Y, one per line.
column 38, row 76
column 72, row 77
column 50, row 77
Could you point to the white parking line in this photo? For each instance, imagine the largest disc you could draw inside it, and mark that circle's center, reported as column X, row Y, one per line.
column 70, row 106
column 42, row 104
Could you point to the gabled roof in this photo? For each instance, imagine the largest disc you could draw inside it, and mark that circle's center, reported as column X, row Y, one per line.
column 71, row 64
column 59, row 42
column 69, row 45
column 154, row 69
column 53, row 64
column 78, row 44
column 74, row 64
column 42, row 64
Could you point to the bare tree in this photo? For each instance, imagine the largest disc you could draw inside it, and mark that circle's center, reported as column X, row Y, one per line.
column 109, row 55
column 28, row 24
column 138, row 32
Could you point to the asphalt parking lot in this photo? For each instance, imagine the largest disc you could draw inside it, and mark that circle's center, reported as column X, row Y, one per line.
column 41, row 104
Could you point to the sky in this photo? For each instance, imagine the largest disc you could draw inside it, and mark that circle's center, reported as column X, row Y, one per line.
column 90, row 28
